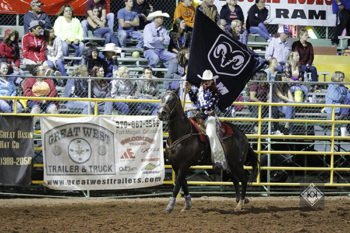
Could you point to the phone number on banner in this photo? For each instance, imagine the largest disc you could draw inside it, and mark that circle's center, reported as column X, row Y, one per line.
column 137, row 124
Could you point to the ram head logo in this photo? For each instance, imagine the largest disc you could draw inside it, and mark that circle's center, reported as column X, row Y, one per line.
column 228, row 57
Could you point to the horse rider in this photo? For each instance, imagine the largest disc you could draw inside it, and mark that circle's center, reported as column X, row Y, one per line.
column 206, row 98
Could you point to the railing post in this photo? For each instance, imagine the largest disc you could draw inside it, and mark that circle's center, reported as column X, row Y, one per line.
column 89, row 94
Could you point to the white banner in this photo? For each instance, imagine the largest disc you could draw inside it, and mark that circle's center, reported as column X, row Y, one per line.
column 96, row 153
column 293, row 12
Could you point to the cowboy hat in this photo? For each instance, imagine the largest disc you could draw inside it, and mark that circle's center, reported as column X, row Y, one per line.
column 207, row 75
column 33, row 24
column 110, row 47
column 155, row 14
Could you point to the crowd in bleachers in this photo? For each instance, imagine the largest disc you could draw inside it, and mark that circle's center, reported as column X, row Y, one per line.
column 70, row 47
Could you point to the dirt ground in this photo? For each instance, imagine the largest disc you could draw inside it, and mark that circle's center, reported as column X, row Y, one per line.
column 209, row 214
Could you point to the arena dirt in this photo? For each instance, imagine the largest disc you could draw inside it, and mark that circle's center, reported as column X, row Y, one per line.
column 209, row 214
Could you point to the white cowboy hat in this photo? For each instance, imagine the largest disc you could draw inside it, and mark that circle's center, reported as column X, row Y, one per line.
column 207, row 75
column 110, row 47
column 155, row 14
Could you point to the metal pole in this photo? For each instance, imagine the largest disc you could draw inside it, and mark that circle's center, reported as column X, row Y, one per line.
column 269, row 139
column 89, row 94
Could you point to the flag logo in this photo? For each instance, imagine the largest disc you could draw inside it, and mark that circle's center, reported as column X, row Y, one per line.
column 226, row 58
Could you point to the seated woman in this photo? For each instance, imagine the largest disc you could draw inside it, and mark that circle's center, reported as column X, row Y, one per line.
column 70, row 31
column 238, row 32
column 54, row 52
column 147, row 88
column 272, row 71
column 337, row 93
column 293, row 72
column 180, row 36
column 306, row 54
column 40, row 87
column 122, row 88
column 78, row 87
column 9, row 52
column 93, row 59
column 281, row 94
column 7, row 88
column 100, row 87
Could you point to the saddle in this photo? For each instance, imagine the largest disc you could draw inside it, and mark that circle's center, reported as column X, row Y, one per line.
column 198, row 123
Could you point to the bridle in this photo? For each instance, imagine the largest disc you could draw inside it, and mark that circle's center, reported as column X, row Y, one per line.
column 166, row 107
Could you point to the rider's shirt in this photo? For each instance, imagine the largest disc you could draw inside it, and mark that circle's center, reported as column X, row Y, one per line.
column 205, row 100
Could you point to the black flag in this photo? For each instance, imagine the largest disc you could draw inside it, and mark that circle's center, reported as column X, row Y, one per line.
column 213, row 49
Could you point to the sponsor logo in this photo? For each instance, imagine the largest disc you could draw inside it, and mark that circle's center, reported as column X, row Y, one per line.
column 128, row 155
column 312, row 195
column 127, row 169
column 149, row 168
column 227, row 58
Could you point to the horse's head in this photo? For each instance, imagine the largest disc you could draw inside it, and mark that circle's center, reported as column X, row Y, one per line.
column 170, row 102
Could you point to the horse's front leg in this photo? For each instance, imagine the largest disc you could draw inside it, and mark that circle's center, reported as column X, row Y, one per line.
column 179, row 181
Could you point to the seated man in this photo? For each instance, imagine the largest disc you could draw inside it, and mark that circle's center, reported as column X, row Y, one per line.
column 185, row 10
column 34, row 45
column 101, row 18
column 36, row 13
column 128, row 22
column 256, row 18
column 142, row 8
column 156, row 42
column 98, row 27
column 279, row 48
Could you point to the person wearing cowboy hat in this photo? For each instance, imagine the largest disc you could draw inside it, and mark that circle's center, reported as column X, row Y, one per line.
column 36, row 13
column 109, row 53
column 128, row 21
column 156, row 42
column 34, row 45
column 206, row 99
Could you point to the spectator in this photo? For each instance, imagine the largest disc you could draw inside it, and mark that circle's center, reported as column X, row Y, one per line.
column 156, row 42
column 210, row 10
column 70, row 31
column 122, row 88
column 279, row 48
column 147, row 88
column 101, row 19
column 231, row 11
column 128, row 22
column 342, row 9
column 293, row 72
column 9, row 53
column 36, row 14
column 238, row 32
column 78, row 88
column 186, row 11
column 98, row 27
column 256, row 18
column 93, row 59
column 110, row 52
column 337, row 93
column 258, row 90
column 40, row 87
column 34, row 45
column 222, row 24
column 100, row 87
column 54, row 52
column 143, row 8
column 306, row 54
column 180, row 37
column 271, row 71
column 7, row 88
column 281, row 94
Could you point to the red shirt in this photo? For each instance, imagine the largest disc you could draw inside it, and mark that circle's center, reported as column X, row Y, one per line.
column 306, row 53
column 34, row 47
column 10, row 52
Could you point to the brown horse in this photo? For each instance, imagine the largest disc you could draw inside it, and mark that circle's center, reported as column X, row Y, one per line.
column 184, row 148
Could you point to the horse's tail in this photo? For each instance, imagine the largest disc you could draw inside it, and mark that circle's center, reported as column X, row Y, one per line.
column 252, row 158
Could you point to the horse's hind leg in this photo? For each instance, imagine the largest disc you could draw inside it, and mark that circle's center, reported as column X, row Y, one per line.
column 236, row 185
column 188, row 201
column 243, row 178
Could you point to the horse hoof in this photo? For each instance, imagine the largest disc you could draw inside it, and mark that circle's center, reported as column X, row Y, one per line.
column 168, row 211
column 246, row 201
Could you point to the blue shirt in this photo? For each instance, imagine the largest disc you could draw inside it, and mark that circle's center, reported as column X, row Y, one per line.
column 278, row 49
column 127, row 16
column 7, row 88
column 345, row 3
column 152, row 37
column 336, row 94
column 204, row 99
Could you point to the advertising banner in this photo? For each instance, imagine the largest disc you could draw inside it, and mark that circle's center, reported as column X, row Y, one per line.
column 97, row 153
column 293, row 12
column 16, row 150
